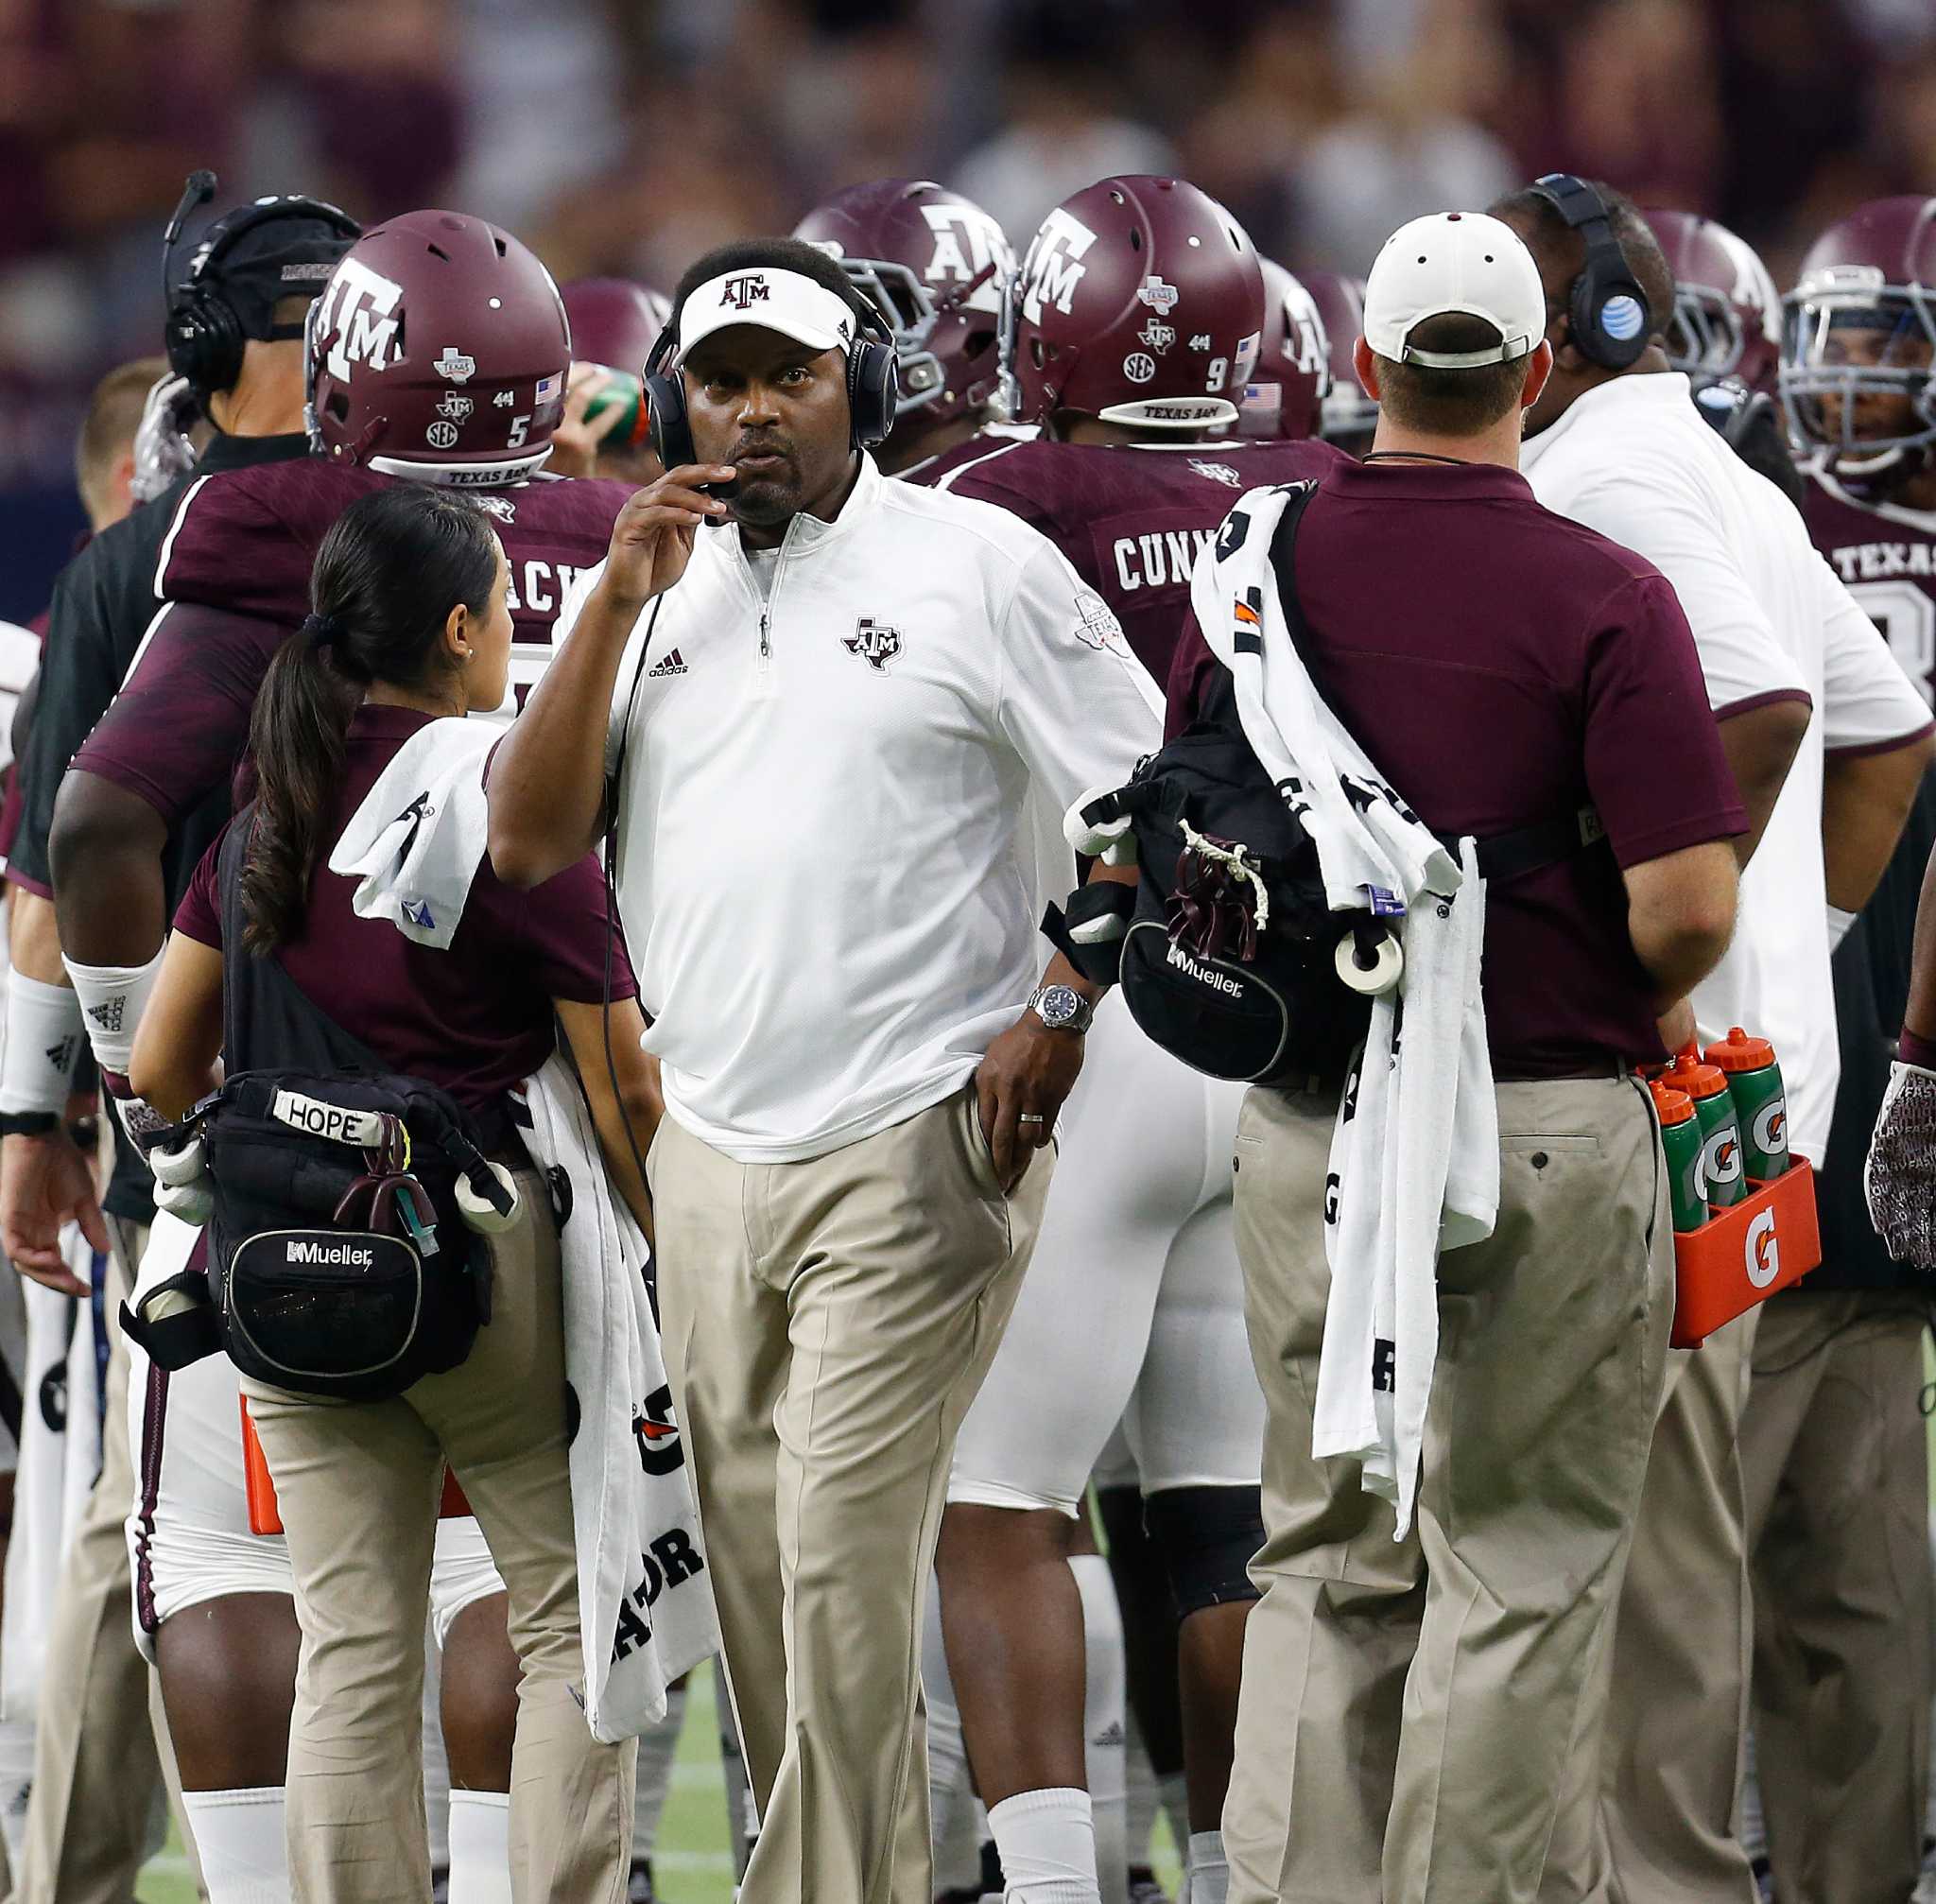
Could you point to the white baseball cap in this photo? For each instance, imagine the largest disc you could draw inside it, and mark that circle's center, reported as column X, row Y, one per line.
column 1454, row 262
column 771, row 298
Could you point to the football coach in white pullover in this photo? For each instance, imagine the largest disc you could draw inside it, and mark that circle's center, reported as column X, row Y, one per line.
column 833, row 723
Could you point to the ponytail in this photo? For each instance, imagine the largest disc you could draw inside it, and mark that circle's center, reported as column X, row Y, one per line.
column 390, row 570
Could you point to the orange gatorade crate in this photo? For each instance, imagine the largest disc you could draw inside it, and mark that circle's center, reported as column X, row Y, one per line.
column 264, row 1517
column 1765, row 1242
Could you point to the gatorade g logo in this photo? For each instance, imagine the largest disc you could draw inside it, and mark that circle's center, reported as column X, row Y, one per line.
column 1761, row 1253
column 1770, row 1129
column 1721, row 1158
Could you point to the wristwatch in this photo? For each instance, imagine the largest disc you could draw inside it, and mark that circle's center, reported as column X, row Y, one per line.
column 1062, row 1008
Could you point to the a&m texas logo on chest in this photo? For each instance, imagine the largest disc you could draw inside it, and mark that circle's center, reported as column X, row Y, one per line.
column 875, row 642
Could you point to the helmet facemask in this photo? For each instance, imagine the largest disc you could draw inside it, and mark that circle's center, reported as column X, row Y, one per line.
column 1855, row 366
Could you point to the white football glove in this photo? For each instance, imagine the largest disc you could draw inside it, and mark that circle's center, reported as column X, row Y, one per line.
column 1899, row 1176
column 162, row 448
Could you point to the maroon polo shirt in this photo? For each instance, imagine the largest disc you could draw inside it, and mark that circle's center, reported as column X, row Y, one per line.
column 1503, row 666
column 476, row 1018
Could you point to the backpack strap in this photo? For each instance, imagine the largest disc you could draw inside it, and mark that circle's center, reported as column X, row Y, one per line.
column 1501, row 855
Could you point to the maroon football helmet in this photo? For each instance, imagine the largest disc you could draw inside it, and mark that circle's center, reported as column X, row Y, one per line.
column 1858, row 342
column 1286, row 396
column 1349, row 416
column 937, row 267
column 614, row 321
column 438, row 349
column 1727, row 317
column 1140, row 301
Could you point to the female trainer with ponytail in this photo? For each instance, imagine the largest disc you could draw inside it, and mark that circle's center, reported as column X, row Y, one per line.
column 410, row 625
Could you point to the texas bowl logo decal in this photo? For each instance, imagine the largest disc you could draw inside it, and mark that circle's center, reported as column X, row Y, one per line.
column 1095, row 622
column 454, row 365
column 875, row 642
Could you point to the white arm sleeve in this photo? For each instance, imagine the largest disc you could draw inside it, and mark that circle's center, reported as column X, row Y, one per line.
column 1741, row 657
column 1076, row 705
column 1868, row 701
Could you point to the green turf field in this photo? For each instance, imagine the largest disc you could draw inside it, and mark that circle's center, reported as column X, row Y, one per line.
column 693, row 1865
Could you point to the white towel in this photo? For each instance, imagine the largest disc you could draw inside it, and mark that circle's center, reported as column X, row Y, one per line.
column 1416, row 1150
column 421, row 833
column 644, row 1601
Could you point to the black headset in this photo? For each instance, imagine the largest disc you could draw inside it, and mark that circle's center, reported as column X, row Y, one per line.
column 1608, row 310
column 873, row 387
column 205, row 336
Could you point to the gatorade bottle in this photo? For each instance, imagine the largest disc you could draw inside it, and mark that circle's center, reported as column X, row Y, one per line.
column 624, row 391
column 1721, row 1129
column 1761, row 1100
column 1680, row 1137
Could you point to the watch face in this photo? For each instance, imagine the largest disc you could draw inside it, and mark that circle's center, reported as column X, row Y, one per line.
column 1060, row 1005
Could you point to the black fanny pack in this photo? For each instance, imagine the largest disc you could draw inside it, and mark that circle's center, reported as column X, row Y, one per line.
column 343, row 1260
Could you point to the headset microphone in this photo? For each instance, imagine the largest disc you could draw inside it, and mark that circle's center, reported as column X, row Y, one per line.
column 199, row 190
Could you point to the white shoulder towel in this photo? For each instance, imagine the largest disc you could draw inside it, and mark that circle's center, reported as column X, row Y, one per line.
column 644, row 1601
column 417, row 837
column 1416, row 1152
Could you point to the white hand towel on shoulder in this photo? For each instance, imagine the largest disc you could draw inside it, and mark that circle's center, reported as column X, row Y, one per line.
column 1416, row 1152
column 418, row 835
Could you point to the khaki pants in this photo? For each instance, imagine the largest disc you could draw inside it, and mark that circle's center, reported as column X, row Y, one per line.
column 1835, row 1459
column 97, row 1771
column 1409, row 1708
column 1675, row 1744
column 826, row 1326
column 358, row 1484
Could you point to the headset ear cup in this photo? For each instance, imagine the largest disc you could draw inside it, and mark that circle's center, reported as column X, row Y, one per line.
column 670, row 427
column 872, row 390
column 205, row 343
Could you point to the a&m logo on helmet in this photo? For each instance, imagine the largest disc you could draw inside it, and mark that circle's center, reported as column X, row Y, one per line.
column 357, row 319
column 1054, row 266
column 966, row 242
column 744, row 292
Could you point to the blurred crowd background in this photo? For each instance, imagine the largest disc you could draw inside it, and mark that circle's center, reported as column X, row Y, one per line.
column 625, row 136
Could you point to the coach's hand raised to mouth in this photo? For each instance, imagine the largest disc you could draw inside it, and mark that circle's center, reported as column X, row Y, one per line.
column 548, row 778
column 651, row 541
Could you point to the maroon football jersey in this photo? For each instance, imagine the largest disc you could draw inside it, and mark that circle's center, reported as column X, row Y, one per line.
column 1131, row 520
column 1887, row 557
column 234, row 568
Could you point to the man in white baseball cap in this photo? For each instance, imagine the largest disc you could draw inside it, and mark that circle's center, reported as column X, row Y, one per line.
column 1454, row 264
column 830, row 708
column 1414, row 1702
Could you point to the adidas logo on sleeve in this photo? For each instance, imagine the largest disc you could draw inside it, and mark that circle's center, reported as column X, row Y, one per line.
column 667, row 664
